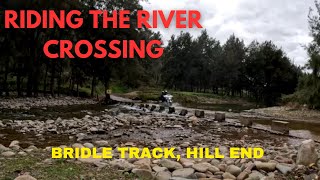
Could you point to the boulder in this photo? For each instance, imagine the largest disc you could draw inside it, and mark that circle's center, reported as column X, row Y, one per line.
column 172, row 110
column 183, row 112
column 185, row 172
column 171, row 165
column 227, row 175
column 246, row 122
column 284, row 168
column 8, row 154
column 153, row 107
column 265, row 166
column 307, row 153
column 143, row 174
column 162, row 108
column 220, row 117
column 163, row 175
column 199, row 114
column 234, row 170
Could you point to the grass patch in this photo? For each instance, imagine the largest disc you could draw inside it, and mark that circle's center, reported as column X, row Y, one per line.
column 60, row 169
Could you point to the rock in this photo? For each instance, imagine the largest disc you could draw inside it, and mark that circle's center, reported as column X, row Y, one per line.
column 307, row 153
column 3, row 148
column 21, row 153
column 234, row 170
column 77, row 145
column 163, row 175
column 88, row 145
column 281, row 159
column 50, row 122
column 171, row 165
column 8, row 154
column 265, row 166
column 255, row 175
column 143, row 164
column 187, row 163
column 172, row 110
column 162, row 108
column 243, row 175
column 102, row 143
column 185, row 172
column 215, row 162
column 201, row 167
column 25, row 177
column 220, row 117
column 200, row 175
column 213, row 169
column 159, row 169
column 153, row 107
column 227, row 175
column 199, row 114
column 14, row 143
column 284, row 168
column 183, row 112
column 90, row 160
column 143, row 173
column 246, row 122
column 122, row 164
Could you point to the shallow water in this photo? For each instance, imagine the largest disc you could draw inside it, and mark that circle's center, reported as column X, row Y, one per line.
column 298, row 129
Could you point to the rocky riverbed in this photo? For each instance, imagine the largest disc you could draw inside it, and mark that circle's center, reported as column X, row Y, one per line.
column 130, row 126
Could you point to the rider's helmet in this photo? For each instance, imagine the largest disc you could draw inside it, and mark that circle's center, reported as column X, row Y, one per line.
column 165, row 92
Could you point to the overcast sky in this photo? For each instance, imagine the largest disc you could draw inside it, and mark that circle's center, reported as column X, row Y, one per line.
column 282, row 21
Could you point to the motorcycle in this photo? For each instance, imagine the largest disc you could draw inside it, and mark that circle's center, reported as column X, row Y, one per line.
column 167, row 100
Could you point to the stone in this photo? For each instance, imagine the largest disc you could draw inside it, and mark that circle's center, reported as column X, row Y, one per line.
column 199, row 114
column 171, row 165
column 159, row 169
column 21, row 153
column 3, row 148
column 122, row 164
column 265, row 166
column 307, row 153
column 88, row 145
column 255, row 175
column 102, row 143
column 153, row 107
column 77, row 145
column 234, row 170
column 183, row 112
column 243, row 175
column 220, row 117
column 163, row 175
column 172, row 110
column 246, row 122
column 201, row 167
column 8, row 154
column 280, row 126
column 90, row 160
column 25, row 177
column 162, row 108
column 143, row 173
column 200, row 175
column 284, row 168
column 227, row 175
column 185, row 172
column 14, row 143
column 143, row 164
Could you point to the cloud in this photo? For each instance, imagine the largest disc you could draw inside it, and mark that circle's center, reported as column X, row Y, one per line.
column 285, row 22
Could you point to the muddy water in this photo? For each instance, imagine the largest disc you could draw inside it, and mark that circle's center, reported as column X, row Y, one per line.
column 298, row 129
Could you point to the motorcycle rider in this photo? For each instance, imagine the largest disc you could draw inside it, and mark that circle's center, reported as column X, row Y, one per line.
column 163, row 93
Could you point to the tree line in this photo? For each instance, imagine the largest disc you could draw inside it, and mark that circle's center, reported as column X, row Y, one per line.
column 260, row 71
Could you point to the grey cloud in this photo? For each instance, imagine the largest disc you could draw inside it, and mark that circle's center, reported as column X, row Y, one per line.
column 282, row 21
